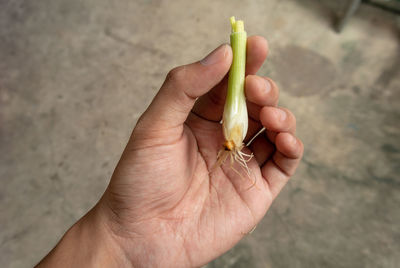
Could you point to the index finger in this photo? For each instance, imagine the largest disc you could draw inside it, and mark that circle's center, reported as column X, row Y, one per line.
column 257, row 51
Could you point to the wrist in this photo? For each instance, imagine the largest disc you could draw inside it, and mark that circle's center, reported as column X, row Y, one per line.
column 88, row 243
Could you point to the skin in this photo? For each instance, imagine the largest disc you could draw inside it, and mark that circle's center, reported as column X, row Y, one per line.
column 165, row 206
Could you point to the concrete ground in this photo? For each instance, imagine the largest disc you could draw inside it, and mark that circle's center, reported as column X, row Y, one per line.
column 75, row 75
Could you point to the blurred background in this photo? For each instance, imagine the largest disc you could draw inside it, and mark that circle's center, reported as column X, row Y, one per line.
column 75, row 76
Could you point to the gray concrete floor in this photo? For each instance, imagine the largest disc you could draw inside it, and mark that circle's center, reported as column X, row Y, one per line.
column 75, row 75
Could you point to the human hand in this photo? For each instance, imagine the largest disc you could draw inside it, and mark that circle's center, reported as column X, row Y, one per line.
column 165, row 206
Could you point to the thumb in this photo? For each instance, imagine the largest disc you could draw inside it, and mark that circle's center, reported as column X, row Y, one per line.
column 182, row 86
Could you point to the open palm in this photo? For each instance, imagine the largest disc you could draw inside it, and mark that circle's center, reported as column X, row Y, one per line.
column 168, row 206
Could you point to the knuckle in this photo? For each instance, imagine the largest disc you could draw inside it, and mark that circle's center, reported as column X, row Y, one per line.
column 176, row 76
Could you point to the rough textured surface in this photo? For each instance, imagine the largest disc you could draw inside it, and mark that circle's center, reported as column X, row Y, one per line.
column 75, row 75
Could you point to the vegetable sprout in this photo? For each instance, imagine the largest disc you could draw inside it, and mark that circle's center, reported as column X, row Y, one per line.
column 235, row 119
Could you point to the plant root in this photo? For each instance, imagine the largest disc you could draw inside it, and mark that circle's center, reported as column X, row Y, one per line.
column 236, row 156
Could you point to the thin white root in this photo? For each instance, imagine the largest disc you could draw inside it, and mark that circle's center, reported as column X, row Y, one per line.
column 255, row 136
column 236, row 155
column 249, row 156
column 252, row 230
column 236, row 171
column 221, row 157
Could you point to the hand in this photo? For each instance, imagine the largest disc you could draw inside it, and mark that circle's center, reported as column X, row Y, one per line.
column 165, row 206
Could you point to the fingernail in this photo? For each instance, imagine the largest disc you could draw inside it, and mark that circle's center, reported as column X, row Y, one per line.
column 215, row 56
column 281, row 114
column 267, row 87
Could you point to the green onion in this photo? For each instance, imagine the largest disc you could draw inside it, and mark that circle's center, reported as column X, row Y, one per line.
column 235, row 119
column 234, row 122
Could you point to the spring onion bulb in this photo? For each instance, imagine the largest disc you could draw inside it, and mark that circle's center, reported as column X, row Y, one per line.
column 235, row 119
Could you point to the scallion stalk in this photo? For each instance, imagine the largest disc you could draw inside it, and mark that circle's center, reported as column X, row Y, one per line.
column 235, row 119
column 235, row 122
